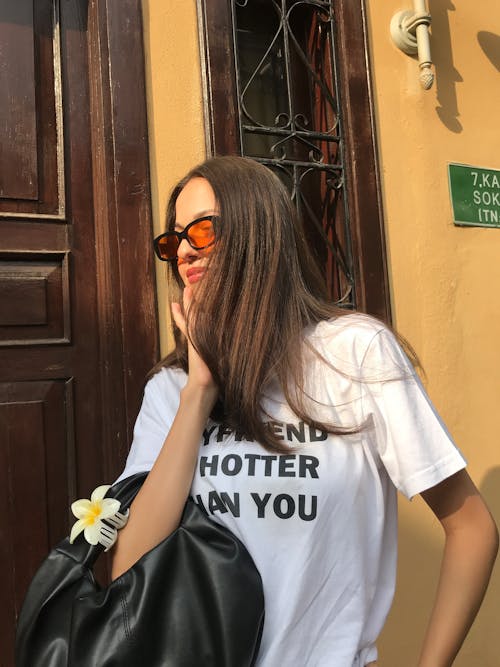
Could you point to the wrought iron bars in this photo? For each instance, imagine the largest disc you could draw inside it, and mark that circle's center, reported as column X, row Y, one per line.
column 288, row 105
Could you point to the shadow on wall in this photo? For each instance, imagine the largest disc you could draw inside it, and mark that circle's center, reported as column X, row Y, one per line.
column 446, row 74
column 420, row 550
column 490, row 43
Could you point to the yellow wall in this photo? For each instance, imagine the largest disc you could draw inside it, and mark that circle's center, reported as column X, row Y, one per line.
column 444, row 279
column 175, row 110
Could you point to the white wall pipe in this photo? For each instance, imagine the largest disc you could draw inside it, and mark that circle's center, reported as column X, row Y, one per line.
column 410, row 33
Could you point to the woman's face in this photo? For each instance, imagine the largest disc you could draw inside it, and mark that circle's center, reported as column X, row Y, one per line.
column 195, row 200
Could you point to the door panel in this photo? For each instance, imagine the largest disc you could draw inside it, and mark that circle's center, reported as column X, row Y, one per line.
column 30, row 122
column 34, row 299
column 36, row 455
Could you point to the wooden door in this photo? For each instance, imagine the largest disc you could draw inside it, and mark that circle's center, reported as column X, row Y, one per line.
column 78, row 327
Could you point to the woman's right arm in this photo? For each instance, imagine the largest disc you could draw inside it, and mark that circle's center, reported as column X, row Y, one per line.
column 157, row 508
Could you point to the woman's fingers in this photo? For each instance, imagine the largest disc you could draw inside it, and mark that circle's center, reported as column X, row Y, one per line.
column 180, row 314
column 187, row 297
column 199, row 372
column 179, row 318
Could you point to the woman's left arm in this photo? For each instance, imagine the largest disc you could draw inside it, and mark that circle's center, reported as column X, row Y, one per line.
column 471, row 545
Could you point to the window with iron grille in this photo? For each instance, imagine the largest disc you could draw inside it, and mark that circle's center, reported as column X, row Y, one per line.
column 286, row 84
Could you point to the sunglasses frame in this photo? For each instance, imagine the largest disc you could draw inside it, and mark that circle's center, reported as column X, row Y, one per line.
column 182, row 235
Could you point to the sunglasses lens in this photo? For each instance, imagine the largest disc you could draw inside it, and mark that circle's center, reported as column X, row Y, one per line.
column 201, row 234
column 167, row 246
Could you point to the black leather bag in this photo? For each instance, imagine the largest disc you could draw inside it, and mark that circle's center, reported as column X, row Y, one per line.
column 195, row 600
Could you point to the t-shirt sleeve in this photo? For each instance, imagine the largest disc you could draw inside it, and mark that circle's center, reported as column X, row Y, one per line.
column 158, row 409
column 412, row 440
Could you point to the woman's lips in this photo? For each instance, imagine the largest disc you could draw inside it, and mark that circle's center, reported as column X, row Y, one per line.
column 195, row 274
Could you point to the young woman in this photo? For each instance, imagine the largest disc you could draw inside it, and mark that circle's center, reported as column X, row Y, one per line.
column 294, row 424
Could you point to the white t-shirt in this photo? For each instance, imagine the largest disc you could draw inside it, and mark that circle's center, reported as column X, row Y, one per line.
column 320, row 522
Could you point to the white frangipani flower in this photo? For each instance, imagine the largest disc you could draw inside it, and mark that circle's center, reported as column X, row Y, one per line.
column 90, row 514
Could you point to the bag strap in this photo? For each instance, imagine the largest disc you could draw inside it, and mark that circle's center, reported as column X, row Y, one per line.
column 126, row 490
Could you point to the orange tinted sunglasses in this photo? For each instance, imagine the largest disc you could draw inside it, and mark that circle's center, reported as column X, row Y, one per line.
column 200, row 234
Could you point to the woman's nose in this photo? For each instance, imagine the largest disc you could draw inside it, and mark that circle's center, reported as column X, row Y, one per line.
column 186, row 252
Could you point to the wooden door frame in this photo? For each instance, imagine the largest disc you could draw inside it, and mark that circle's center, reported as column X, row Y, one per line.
column 356, row 103
column 127, row 308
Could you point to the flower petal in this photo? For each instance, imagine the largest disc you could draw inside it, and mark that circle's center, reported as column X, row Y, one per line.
column 92, row 533
column 76, row 530
column 81, row 507
column 109, row 507
column 99, row 493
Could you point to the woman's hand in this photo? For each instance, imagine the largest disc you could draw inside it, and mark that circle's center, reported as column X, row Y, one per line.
column 199, row 376
column 157, row 508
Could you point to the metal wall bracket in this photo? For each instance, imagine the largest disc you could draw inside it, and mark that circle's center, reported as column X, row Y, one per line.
column 410, row 33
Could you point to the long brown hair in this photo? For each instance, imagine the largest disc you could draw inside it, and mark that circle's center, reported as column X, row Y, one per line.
column 262, row 288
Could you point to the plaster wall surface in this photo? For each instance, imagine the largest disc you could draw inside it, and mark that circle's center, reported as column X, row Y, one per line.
column 444, row 278
column 175, row 112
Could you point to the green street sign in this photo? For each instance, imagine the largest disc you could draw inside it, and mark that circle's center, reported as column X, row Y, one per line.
column 475, row 195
